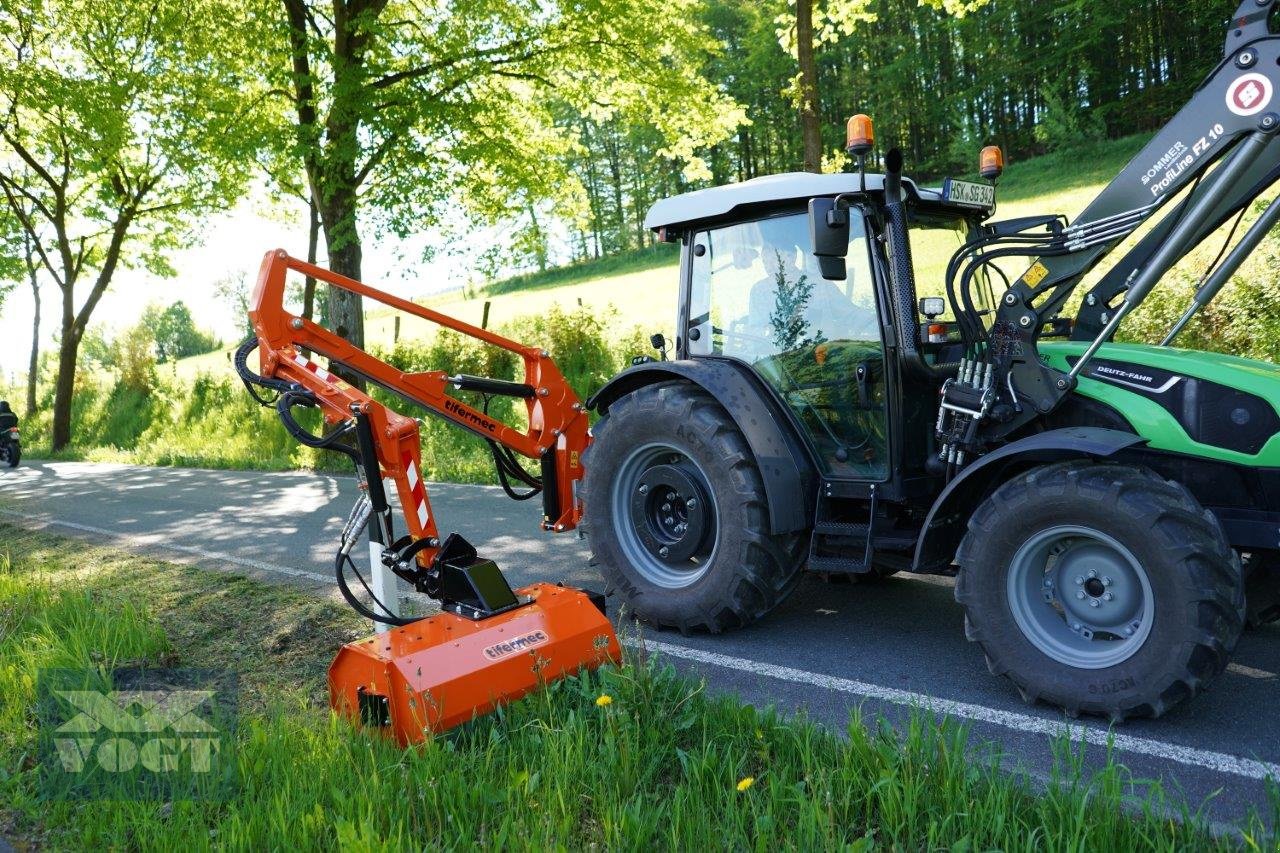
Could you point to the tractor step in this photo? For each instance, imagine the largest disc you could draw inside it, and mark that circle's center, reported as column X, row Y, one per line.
column 840, row 528
column 837, row 566
column 824, row 527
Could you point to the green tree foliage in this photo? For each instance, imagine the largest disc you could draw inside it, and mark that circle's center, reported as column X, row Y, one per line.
column 12, row 254
column 120, row 130
column 174, row 332
column 405, row 109
column 941, row 78
column 133, row 353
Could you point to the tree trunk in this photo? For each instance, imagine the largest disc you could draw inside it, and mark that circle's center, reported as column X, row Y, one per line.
column 810, row 123
column 539, row 239
column 68, row 350
column 33, row 365
column 345, row 316
column 615, row 176
column 313, row 241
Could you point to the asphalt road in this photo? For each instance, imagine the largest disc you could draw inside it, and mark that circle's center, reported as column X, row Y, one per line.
column 829, row 648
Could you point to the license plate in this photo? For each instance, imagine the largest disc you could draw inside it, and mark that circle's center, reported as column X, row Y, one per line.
column 967, row 192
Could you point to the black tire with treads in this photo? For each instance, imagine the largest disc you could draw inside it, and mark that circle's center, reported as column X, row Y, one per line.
column 1196, row 581
column 751, row 570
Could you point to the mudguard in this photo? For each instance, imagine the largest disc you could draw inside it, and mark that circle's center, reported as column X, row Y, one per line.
column 945, row 524
column 790, row 479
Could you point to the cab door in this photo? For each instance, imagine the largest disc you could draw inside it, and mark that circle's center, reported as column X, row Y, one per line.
column 756, row 294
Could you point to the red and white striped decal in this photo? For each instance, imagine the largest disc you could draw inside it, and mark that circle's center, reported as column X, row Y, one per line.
column 314, row 368
column 416, row 489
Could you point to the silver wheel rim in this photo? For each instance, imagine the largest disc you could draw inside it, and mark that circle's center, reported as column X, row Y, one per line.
column 636, row 510
column 1081, row 597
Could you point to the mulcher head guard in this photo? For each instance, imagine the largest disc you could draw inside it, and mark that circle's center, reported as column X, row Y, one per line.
column 445, row 670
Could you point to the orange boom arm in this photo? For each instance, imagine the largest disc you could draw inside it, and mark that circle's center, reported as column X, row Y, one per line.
column 557, row 433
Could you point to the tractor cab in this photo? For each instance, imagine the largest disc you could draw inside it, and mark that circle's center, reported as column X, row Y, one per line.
column 831, row 327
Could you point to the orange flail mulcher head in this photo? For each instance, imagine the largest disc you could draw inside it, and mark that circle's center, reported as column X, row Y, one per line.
column 442, row 671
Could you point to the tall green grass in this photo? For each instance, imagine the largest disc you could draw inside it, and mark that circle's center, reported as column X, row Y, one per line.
column 210, row 422
column 662, row 765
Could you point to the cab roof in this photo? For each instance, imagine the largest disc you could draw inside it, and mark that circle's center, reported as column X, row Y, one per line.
column 790, row 186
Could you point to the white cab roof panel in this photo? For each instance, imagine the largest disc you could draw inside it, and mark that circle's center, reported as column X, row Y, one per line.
column 790, row 186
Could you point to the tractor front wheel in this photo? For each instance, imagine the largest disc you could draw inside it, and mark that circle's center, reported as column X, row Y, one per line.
column 676, row 514
column 1100, row 588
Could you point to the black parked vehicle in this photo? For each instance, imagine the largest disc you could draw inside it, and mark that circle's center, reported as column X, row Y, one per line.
column 10, row 447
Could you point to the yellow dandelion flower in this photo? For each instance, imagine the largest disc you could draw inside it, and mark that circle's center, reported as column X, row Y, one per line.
column 746, row 783
column 603, row 699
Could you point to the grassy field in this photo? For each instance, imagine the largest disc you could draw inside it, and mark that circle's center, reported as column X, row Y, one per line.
column 661, row 765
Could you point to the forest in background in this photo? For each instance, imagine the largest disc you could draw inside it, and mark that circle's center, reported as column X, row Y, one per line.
column 940, row 79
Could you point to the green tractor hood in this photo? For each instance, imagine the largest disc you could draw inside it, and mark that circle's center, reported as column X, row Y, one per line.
column 1184, row 401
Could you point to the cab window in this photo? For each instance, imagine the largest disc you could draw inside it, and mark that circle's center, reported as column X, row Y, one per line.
column 758, row 295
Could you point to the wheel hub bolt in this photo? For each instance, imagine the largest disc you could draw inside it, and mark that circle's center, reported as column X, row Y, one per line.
column 1080, row 594
column 1128, row 632
column 1108, row 597
column 1106, row 581
column 1093, row 602
column 644, row 490
column 669, row 520
column 664, row 551
column 1079, row 580
column 666, row 507
column 1092, row 573
column 691, row 503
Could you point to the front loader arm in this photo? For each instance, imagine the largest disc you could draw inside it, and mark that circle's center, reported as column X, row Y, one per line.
column 556, row 436
column 1231, row 121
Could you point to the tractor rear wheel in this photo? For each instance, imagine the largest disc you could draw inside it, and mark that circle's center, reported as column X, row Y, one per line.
column 1100, row 588
column 676, row 514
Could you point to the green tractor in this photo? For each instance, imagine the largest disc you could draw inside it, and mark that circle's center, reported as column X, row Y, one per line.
column 1111, row 512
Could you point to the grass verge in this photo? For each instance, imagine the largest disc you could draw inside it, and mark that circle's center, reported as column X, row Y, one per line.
column 661, row 765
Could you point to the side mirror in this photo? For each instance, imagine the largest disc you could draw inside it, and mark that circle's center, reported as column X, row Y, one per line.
column 829, row 235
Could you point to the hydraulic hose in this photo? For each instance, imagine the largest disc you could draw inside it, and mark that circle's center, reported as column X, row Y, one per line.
column 332, row 441
column 508, row 468
column 250, row 379
column 357, row 521
column 289, row 395
column 385, row 617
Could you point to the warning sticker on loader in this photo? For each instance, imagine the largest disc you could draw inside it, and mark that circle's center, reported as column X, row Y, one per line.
column 1035, row 275
column 517, row 644
column 1249, row 94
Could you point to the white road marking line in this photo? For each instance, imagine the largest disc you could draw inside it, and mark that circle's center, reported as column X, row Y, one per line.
column 155, row 541
column 1250, row 672
column 1217, row 761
